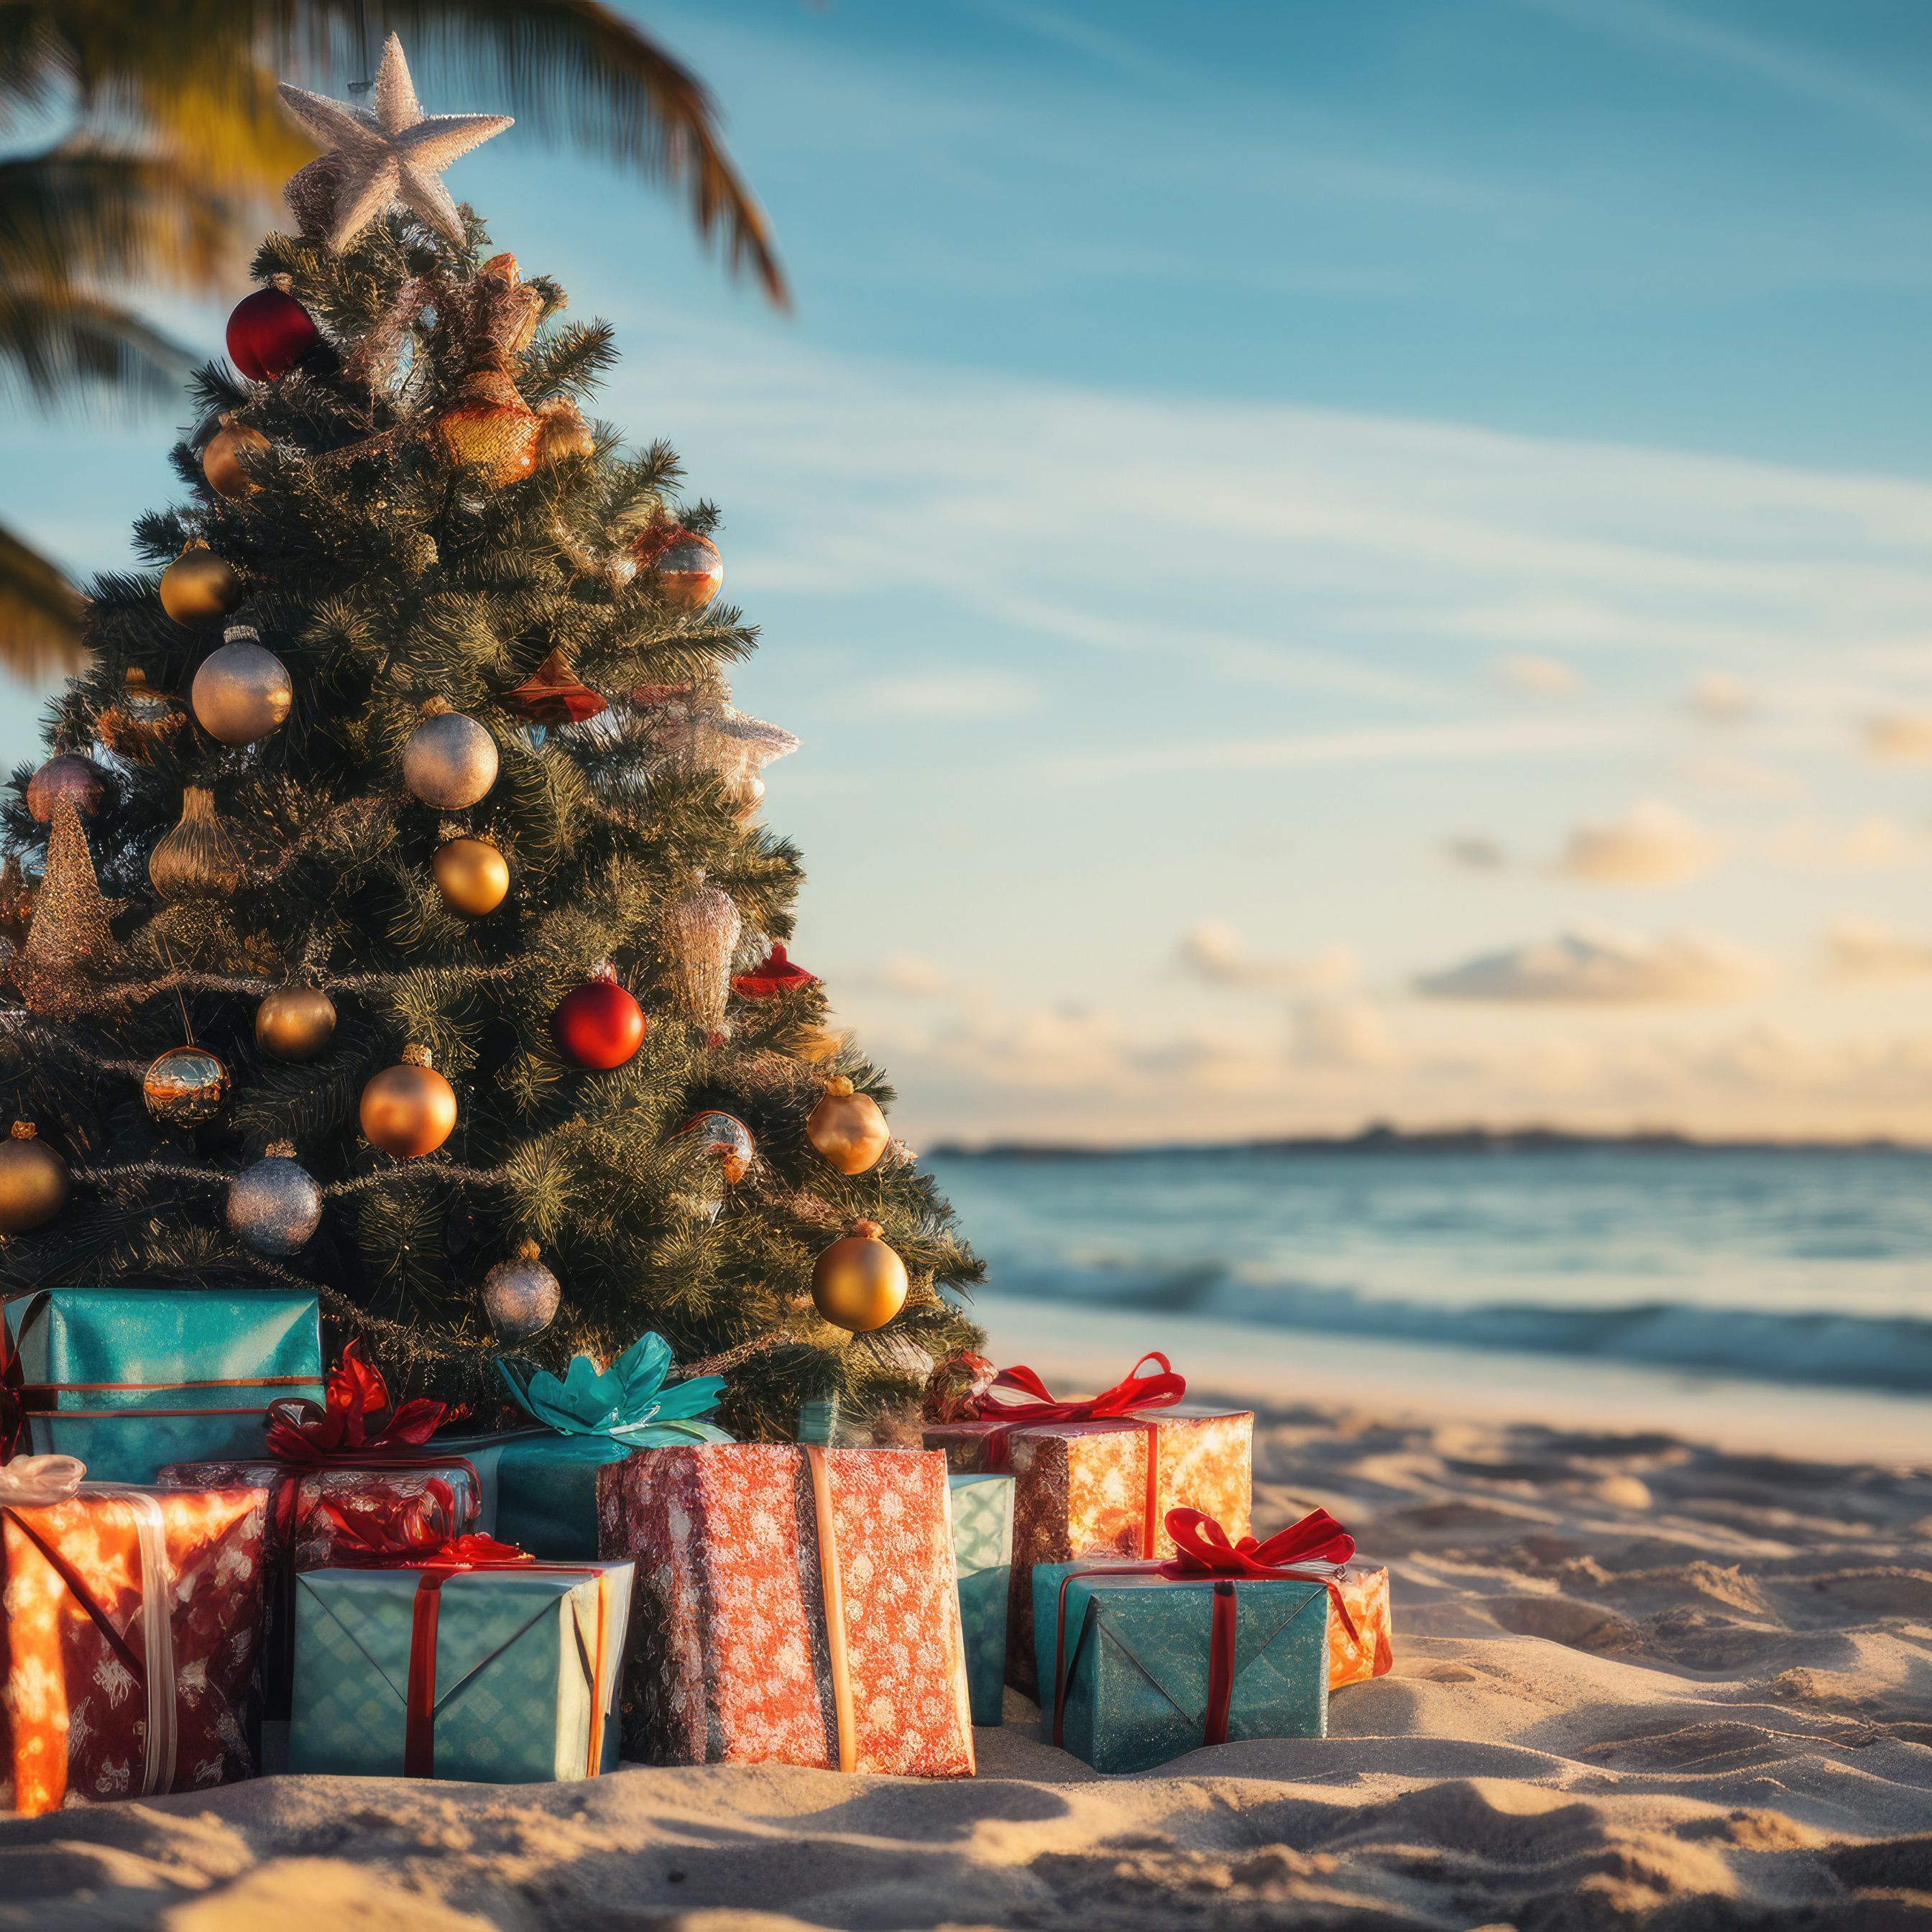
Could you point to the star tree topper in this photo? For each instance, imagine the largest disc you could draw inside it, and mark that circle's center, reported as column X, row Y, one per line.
column 396, row 154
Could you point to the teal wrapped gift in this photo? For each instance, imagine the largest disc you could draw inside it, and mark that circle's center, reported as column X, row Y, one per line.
column 1227, row 1639
column 982, row 1556
column 540, row 1484
column 129, row 1379
column 499, row 1671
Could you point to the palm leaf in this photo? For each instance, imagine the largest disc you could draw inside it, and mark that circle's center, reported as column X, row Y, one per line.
column 39, row 614
column 79, row 212
column 198, row 75
column 54, row 339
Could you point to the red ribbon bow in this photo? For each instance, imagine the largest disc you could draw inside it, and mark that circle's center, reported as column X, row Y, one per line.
column 1204, row 1550
column 338, row 1429
column 1134, row 1391
column 1202, row 1547
column 409, row 1533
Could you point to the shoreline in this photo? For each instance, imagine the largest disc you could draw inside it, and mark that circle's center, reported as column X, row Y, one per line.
column 1078, row 1344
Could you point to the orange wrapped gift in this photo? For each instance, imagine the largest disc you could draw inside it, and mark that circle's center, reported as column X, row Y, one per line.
column 128, row 1646
column 1096, row 1476
column 794, row 1606
column 1368, row 1651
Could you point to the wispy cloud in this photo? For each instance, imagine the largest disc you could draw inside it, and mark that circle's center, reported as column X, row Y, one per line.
column 1593, row 967
column 1653, row 844
column 962, row 694
column 1535, row 674
column 1866, row 949
column 1213, row 951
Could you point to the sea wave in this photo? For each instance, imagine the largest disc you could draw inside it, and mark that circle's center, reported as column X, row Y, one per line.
column 1850, row 1351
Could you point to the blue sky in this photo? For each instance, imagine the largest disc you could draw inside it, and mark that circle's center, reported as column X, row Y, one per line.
column 1331, row 563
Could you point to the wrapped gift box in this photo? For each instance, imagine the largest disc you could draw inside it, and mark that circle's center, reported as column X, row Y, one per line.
column 540, row 1484
column 504, row 1673
column 983, row 1558
column 1129, row 1677
column 129, row 1642
column 1084, row 1487
column 796, row 1605
column 1369, row 1650
column 130, row 1380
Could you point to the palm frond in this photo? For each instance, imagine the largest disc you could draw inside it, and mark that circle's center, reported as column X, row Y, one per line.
column 39, row 614
column 80, row 212
column 54, row 339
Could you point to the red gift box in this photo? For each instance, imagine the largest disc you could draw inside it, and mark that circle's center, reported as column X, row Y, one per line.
column 129, row 1642
column 1096, row 1476
column 794, row 1605
column 1368, row 1650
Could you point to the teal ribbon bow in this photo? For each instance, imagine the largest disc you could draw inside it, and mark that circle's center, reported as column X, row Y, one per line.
column 629, row 1402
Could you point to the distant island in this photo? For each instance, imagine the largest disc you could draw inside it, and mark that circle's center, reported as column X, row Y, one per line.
column 1382, row 1139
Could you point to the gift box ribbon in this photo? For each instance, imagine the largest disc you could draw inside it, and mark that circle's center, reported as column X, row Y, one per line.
column 407, row 1539
column 1312, row 1551
column 41, row 1482
column 1134, row 1392
column 633, row 1401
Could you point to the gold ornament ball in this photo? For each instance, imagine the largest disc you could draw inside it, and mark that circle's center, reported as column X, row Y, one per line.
column 187, row 1087
column 68, row 776
column 409, row 1110
column 450, row 761
column 859, row 1282
column 221, row 461
column 848, row 1129
column 34, row 1181
column 295, row 1022
column 472, row 876
column 241, row 693
column 199, row 588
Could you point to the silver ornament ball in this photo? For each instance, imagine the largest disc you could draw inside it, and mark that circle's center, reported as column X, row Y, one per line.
column 274, row 1206
column 521, row 1297
column 450, row 761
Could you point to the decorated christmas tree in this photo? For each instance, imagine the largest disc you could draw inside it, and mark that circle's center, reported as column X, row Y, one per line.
column 391, row 916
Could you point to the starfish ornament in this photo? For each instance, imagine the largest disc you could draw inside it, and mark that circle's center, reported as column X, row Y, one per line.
column 397, row 154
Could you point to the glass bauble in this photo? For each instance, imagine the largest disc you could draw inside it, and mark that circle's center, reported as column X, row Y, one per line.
column 275, row 1205
column 471, row 875
column 268, row 334
column 450, row 761
column 34, row 1181
column 221, row 460
column 847, row 1128
column 728, row 1138
column 242, row 693
column 521, row 1297
column 859, row 1282
column 699, row 934
column 199, row 587
column 197, row 859
column 70, row 776
column 295, row 1022
column 408, row 1110
column 598, row 1024
column 187, row 1087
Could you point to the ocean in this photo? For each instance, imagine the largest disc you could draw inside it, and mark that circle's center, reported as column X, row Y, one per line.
column 1777, row 1275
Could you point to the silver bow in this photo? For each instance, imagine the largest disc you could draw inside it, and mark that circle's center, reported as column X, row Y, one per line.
column 34, row 1482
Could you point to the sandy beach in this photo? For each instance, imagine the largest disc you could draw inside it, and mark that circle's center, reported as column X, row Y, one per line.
column 1639, row 1682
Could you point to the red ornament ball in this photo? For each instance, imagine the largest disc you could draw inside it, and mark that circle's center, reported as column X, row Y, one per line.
column 268, row 334
column 600, row 1024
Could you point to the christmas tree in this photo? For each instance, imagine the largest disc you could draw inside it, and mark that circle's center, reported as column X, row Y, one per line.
column 391, row 916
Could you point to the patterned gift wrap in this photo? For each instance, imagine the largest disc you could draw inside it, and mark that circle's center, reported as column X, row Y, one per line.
column 130, row 1380
column 129, row 1642
column 540, row 1485
column 1370, row 1651
column 1129, row 1676
column 1083, row 1489
column 982, row 1557
column 315, row 1512
column 501, row 1674
column 796, row 1605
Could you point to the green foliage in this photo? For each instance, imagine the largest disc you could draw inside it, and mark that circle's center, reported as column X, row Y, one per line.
column 384, row 578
